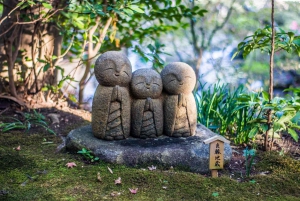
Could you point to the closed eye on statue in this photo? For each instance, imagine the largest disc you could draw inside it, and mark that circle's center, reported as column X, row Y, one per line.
column 126, row 73
column 172, row 80
column 108, row 69
column 155, row 84
column 139, row 83
column 188, row 76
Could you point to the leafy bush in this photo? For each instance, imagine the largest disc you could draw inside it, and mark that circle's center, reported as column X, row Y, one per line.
column 283, row 116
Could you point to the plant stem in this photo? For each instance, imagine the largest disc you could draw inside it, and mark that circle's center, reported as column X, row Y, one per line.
column 269, row 113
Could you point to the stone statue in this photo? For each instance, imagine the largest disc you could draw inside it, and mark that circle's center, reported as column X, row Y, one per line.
column 180, row 112
column 147, row 105
column 111, row 103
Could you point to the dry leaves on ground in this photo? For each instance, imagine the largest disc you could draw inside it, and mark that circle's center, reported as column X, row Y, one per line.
column 71, row 164
column 133, row 191
column 99, row 177
column 118, row 181
column 110, row 170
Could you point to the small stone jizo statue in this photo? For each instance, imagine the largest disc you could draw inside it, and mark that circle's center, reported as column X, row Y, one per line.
column 147, row 105
column 180, row 112
column 111, row 103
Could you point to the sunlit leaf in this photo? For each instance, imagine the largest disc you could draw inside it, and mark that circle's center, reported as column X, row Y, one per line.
column 294, row 135
column 253, row 132
column 136, row 8
column 47, row 5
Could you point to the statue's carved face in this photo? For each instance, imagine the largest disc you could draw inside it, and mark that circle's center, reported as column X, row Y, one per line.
column 113, row 68
column 178, row 78
column 146, row 83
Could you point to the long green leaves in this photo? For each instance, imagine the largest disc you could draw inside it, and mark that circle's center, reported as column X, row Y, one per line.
column 241, row 115
column 218, row 110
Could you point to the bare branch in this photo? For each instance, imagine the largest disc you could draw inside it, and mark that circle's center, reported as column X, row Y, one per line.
column 194, row 36
column 218, row 27
column 67, row 50
column 31, row 22
column 8, row 15
column 102, row 35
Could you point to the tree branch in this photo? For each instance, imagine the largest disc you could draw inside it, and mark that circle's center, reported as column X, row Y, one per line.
column 8, row 15
column 218, row 27
column 31, row 22
column 194, row 37
column 102, row 35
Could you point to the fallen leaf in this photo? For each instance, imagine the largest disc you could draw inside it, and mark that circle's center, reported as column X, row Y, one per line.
column 152, row 168
column 71, row 164
column 29, row 177
column 133, row 191
column 18, row 148
column 24, row 183
column 115, row 193
column 264, row 173
column 42, row 172
column 54, row 118
column 110, row 170
column 118, row 181
column 99, row 177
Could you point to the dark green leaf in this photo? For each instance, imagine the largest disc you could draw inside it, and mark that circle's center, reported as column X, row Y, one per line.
column 46, row 67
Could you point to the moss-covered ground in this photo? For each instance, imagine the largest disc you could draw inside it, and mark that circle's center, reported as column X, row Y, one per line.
column 37, row 172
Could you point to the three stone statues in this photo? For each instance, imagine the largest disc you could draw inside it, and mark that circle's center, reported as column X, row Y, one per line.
column 143, row 104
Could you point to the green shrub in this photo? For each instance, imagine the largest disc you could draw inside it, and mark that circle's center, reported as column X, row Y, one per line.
column 240, row 115
column 218, row 109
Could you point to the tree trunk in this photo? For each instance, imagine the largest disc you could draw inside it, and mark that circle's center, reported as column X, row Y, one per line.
column 25, row 43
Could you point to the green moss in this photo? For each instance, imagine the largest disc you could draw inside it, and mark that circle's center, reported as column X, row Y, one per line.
column 52, row 180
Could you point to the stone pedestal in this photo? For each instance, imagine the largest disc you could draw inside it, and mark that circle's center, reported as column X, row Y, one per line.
column 188, row 153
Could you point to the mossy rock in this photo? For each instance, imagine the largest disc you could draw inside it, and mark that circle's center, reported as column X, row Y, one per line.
column 189, row 153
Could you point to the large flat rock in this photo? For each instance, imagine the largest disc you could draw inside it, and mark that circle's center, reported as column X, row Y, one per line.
column 189, row 153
